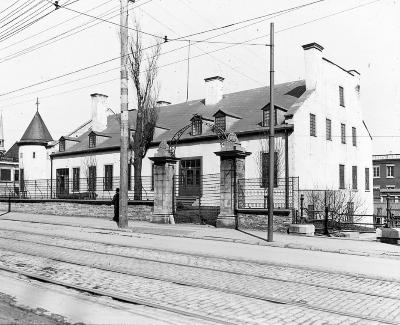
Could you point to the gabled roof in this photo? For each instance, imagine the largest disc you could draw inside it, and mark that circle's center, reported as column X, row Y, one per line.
column 101, row 134
column 69, row 138
column 245, row 104
column 36, row 132
column 12, row 153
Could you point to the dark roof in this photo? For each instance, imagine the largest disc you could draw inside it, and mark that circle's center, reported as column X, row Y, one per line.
column 69, row 138
column 12, row 153
column 36, row 132
column 247, row 104
column 101, row 134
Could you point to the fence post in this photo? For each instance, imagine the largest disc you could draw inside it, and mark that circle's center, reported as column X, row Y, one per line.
column 164, row 171
column 9, row 203
column 232, row 169
column 326, row 232
column 301, row 206
column 387, row 210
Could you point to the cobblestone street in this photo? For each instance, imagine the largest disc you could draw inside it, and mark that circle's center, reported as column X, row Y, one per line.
column 216, row 288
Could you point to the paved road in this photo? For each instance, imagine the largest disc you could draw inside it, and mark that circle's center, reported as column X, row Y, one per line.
column 10, row 313
column 236, row 291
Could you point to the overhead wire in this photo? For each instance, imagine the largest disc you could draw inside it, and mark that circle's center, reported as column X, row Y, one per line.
column 28, row 21
column 105, row 20
column 16, row 11
column 62, row 36
column 112, row 59
column 47, row 29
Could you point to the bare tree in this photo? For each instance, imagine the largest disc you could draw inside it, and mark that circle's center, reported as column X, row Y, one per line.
column 345, row 205
column 280, row 156
column 143, row 69
column 86, row 163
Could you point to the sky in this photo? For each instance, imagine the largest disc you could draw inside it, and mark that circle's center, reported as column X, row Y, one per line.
column 355, row 34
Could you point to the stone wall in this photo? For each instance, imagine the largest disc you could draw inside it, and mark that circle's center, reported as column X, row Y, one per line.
column 139, row 211
column 260, row 221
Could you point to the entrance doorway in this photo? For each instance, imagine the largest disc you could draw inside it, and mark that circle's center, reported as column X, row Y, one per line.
column 62, row 182
column 190, row 177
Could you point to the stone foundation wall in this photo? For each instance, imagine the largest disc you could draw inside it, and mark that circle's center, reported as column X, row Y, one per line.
column 98, row 209
column 260, row 221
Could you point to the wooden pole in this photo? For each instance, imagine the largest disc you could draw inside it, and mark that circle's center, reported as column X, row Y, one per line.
column 271, row 140
column 123, row 196
column 188, row 73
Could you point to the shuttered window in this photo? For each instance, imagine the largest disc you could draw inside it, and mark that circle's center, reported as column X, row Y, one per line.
column 265, row 169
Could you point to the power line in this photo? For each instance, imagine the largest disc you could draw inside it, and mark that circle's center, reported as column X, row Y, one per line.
column 4, row 10
column 60, row 36
column 47, row 29
column 112, row 59
column 104, row 20
column 19, row 26
column 16, row 11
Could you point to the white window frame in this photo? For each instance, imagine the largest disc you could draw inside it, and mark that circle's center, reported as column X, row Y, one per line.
column 378, row 168
column 389, row 167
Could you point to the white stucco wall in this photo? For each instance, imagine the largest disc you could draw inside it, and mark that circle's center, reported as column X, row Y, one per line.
column 35, row 161
column 315, row 159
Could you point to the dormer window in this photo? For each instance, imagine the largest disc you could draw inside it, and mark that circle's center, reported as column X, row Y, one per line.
column 266, row 117
column 220, row 122
column 92, row 141
column 197, row 125
column 61, row 146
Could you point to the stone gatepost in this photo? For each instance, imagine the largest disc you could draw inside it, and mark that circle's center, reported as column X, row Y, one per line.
column 164, row 171
column 232, row 168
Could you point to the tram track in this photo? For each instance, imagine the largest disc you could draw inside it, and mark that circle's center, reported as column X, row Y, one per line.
column 198, row 265
column 207, row 287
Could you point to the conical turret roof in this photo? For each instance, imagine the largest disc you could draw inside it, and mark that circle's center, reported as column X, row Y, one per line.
column 37, row 132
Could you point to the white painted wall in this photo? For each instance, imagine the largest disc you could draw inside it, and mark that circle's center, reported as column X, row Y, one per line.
column 35, row 161
column 316, row 160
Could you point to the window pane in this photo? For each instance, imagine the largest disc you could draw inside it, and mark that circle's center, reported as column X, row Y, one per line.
column 313, row 131
column 354, row 176
column 328, row 129
column 341, row 177
column 343, row 132
column 354, row 136
column 367, row 179
column 341, row 96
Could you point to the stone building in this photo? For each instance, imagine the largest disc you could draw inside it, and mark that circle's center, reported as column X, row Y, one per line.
column 321, row 137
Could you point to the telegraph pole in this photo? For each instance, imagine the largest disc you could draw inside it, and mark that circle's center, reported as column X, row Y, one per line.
column 271, row 139
column 123, row 196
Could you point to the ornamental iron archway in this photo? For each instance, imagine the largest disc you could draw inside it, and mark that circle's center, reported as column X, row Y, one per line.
column 222, row 135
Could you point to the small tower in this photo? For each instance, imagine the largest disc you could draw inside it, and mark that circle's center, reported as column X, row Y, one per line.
column 33, row 160
column 2, row 149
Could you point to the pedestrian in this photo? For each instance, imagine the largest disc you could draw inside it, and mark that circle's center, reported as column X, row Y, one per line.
column 115, row 202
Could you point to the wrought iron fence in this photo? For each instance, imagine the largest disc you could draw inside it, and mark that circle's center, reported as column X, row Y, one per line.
column 253, row 193
column 99, row 188
column 197, row 198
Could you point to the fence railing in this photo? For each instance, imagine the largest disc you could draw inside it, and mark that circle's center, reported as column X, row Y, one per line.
column 253, row 193
column 196, row 197
column 99, row 188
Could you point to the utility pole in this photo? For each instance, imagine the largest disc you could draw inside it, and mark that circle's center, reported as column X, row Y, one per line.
column 271, row 139
column 123, row 179
column 188, row 71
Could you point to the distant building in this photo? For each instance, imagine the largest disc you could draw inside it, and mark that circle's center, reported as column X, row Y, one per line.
column 9, row 176
column 386, row 176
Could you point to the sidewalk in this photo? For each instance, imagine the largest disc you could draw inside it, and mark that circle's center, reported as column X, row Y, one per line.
column 366, row 245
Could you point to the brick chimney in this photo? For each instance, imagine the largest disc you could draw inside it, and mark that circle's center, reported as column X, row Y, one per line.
column 214, row 89
column 313, row 64
column 99, row 112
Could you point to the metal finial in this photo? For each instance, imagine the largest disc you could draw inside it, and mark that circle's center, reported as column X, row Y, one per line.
column 37, row 104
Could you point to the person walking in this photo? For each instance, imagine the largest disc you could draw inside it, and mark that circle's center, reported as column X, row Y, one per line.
column 115, row 202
